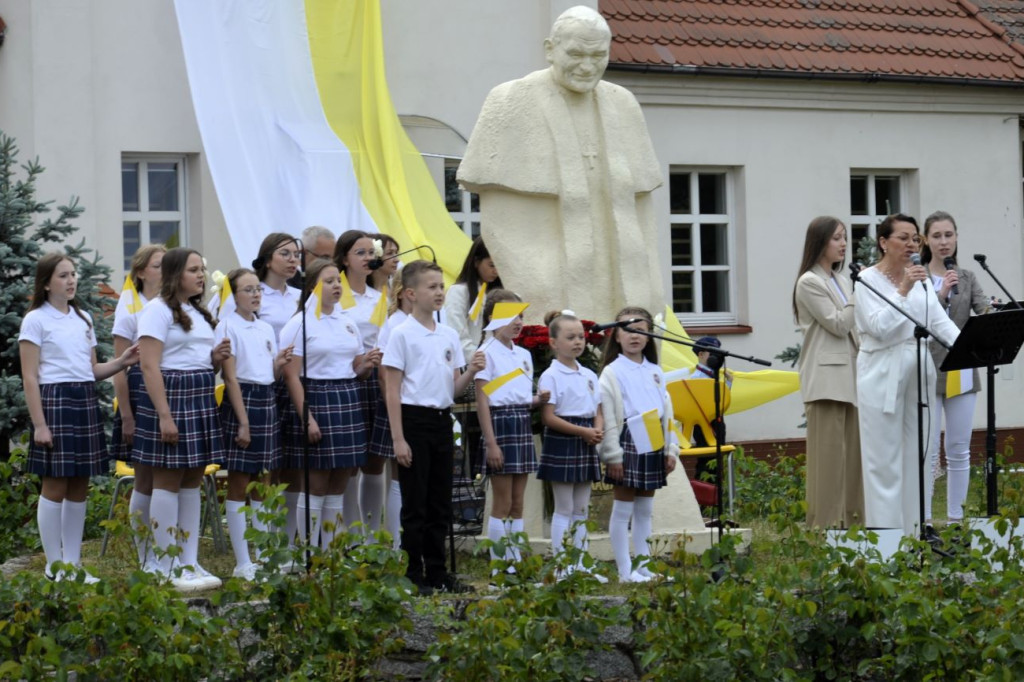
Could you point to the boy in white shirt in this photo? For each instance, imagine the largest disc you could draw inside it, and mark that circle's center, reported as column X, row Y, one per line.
column 423, row 362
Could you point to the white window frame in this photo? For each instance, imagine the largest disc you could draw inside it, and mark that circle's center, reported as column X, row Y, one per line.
column 871, row 220
column 465, row 217
column 698, row 317
column 144, row 216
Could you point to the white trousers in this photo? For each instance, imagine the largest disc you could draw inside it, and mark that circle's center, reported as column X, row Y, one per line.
column 887, row 396
column 959, row 418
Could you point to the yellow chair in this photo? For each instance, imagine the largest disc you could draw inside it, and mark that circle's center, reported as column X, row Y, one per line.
column 693, row 404
column 125, row 475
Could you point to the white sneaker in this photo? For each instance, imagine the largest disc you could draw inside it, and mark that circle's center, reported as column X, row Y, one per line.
column 246, row 572
column 188, row 582
column 592, row 573
column 634, row 577
column 210, row 581
column 90, row 579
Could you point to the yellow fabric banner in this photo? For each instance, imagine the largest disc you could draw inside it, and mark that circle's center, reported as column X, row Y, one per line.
column 396, row 186
column 494, row 384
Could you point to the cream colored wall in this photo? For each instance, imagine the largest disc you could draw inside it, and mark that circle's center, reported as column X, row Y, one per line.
column 795, row 148
column 80, row 84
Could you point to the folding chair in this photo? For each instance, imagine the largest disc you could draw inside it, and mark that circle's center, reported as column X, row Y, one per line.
column 693, row 402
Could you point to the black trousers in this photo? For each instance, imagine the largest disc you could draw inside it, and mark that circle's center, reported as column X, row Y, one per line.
column 426, row 491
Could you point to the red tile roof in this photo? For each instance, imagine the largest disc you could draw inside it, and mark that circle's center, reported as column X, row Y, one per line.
column 935, row 40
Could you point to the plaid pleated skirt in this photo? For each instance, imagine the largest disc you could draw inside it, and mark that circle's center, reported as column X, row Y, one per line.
column 337, row 406
column 121, row 450
column 514, row 434
column 640, row 470
column 568, row 459
column 194, row 411
column 264, row 451
column 369, row 391
column 380, row 439
column 72, row 413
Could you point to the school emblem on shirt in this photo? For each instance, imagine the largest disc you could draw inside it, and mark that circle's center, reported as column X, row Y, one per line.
column 590, row 385
column 657, row 379
column 448, row 355
column 350, row 329
column 88, row 334
column 526, row 367
column 270, row 349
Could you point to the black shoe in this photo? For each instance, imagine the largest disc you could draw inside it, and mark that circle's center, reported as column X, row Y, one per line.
column 452, row 585
column 931, row 537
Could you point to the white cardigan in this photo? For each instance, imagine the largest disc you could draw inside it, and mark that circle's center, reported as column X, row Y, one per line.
column 609, row 449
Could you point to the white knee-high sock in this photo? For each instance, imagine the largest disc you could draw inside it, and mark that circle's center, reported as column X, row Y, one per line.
column 643, row 513
column 291, row 520
column 495, row 533
column 517, row 527
column 163, row 516
column 72, row 525
column 618, row 529
column 393, row 514
column 316, row 507
column 48, row 518
column 189, row 512
column 236, row 531
column 138, row 512
column 351, row 509
column 559, row 529
column 371, row 500
column 333, row 516
column 258, row 523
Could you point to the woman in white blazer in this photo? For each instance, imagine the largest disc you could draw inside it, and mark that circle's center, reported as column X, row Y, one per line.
column 824, row 309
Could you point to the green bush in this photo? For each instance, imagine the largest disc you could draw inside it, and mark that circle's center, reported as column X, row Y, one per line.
column 18, row 494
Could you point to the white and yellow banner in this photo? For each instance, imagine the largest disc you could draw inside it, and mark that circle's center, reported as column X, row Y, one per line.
column 298, row 125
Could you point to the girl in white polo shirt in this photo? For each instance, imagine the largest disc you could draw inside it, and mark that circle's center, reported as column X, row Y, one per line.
column 573, row 425
column 145, row 276
column 249, row 414
column 275, row 264
column 632, row 384
column 507, row 434
column 334, row 361
column 57, row 348
column 364, row 491
column 178, row 430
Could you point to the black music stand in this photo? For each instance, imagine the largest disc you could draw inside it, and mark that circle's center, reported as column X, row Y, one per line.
column 988, row 341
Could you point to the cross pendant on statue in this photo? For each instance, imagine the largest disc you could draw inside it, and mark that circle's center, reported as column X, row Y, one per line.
column 590, row 157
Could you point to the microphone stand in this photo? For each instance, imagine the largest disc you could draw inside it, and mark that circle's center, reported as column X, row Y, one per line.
column 991, row 470
column 920, row 333
column 719, row 425
column 305, row 417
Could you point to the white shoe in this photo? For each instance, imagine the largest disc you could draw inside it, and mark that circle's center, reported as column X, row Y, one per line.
column 210, row 581
column 634, row 577
column 188, row 582
column 89, row 579
column 644, row 571
column 592, row 573
column 246, row 572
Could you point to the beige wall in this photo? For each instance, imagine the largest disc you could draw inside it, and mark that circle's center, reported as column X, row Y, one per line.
column 83, row 82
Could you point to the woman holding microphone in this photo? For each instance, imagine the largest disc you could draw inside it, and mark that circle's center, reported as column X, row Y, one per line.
column 887, row 391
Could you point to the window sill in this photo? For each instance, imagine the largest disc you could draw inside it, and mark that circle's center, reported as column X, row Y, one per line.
column 695, row 330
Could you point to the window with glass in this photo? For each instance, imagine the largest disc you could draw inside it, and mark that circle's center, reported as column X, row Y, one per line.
column 702, row 257
column 873, row 196
column 463, row 206
column 152, row 202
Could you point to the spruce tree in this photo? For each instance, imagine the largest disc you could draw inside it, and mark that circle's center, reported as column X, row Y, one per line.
column 26, row 232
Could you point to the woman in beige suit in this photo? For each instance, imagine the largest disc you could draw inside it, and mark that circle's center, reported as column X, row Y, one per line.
column 823, row 305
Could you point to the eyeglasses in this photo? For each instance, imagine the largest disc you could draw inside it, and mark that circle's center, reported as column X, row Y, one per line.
column 250, row 291
column 288, row 254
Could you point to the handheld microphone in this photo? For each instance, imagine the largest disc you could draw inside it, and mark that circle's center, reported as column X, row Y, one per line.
column 616, row 324
column 915, row 259
column 950, row 264
column 378, row 263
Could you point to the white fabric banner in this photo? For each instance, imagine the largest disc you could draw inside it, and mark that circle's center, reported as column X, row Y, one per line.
column 276, row 164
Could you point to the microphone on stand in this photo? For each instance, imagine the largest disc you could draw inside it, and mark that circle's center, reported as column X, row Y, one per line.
column 950, row 264
column 855, row 269
column 378, row 263
column 616, row 324
column 915, row 259
column 980, row 257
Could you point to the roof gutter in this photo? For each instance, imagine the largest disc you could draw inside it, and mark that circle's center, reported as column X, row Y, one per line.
column 733, row 72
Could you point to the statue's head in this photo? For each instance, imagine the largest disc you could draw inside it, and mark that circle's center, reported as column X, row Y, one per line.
column 578, row 48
